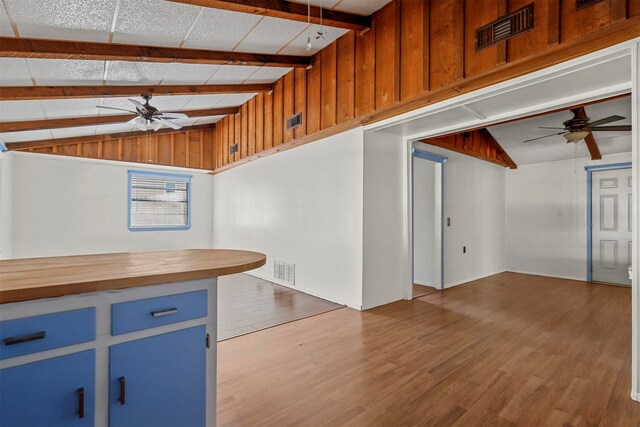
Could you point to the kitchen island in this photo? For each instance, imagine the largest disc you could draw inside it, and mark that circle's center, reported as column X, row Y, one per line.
column 112, row 340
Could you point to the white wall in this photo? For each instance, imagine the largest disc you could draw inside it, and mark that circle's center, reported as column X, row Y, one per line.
column 384, row 213
column 474, row 199
column 424, row 222
column 302, row 206
column 6, row 205
column 65, row 206
column 547, row 217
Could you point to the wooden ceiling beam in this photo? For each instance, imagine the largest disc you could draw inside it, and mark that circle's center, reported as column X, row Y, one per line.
column 590, row 141
column 288, row 10
column 26, row 145
column 478, row 143
column 12, row 47
column 19, row 93
column 26, row 125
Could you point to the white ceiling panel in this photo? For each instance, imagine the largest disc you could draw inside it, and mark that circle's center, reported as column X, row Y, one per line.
column 188, row 73
column 271, row 35
column 75, row 131
column 298, row 46
column 52, row 72
column 140, row 73
column 267, row 75
column 361, row 7
column 11, row 111
column 204, row 101
column 186, row 122
column 232, row 74
column 30, row 135
column 153, row 22
column 64, row 19
column 220, row 29
column 511, row 135
column 60, row 108
column 209, row 119
column 14, row 72
column 5, row 24
column 163, row 103
column 114, row 128
column 235, row 99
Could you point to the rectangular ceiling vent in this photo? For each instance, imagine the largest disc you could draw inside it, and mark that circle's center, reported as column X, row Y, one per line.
column 294, row 121
column 584, row 3
column 505, row 28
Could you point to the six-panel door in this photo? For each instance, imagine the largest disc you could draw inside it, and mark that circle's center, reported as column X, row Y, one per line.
column 159, row 381
column 52, row 392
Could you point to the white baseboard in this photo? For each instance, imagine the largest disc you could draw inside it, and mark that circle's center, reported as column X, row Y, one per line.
column 471, row 279
column 557, row 276
column 312, row 292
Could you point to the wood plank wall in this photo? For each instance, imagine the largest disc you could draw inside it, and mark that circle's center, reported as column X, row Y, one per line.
column 415, row 48
column 193, row 149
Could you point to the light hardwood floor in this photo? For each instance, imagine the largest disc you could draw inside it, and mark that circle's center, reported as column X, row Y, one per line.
column 247, row 304
column 508, row 350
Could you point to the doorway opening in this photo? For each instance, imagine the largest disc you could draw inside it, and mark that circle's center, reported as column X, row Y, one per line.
column 427, row 218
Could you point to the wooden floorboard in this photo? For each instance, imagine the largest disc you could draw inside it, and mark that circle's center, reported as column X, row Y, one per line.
column 421, row 290
column 247, row 304
column 508, row 350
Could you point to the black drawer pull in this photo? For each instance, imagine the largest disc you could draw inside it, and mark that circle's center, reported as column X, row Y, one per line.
column 38, row 336
column 81, row 402
column 123, row 390
column 161, row 313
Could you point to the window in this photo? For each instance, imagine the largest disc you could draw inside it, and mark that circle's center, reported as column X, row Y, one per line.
column 159, row 201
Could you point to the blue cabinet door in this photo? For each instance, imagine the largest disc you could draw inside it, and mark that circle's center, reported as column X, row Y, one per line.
column 53, row 392
column 159, row 381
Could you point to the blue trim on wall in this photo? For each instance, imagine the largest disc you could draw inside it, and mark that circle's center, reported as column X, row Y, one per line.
column 432, row 157
column 590, row 170
column 167, row 175
column 428, row 156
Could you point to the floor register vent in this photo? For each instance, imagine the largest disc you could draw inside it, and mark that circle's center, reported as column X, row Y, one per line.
column 285, row 272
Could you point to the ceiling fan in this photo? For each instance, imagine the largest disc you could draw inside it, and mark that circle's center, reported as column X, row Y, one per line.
column 149, row 118
column 579, row 127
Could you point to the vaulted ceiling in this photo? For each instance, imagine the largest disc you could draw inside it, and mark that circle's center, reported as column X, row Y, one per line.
column 173, row 24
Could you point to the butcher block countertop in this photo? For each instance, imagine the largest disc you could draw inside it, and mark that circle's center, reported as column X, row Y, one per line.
column 34, row 278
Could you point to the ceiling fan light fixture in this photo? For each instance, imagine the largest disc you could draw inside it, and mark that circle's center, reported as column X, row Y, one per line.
column 576, row 136
column 140, row 123
column 155, row 125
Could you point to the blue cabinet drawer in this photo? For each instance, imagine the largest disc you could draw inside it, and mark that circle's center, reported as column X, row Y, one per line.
column 152, row 312
column 45, row 332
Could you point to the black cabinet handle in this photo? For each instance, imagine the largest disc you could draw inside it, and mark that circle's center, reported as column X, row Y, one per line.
column 123, row 389
column 37, row 336
column 81, row 402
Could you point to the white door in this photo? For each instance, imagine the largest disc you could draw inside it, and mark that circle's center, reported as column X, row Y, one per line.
column 611, row 225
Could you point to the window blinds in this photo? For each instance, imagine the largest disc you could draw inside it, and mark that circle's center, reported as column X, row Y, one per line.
column 158, row 201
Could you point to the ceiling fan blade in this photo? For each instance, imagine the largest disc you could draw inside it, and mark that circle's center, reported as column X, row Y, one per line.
column 133, row 121
column 117, row 109
column 548, row 127
column 173, row 116
column 541, row 137
column 606, row 120
column 139, row 105
column 620, row 128
column 167, row 123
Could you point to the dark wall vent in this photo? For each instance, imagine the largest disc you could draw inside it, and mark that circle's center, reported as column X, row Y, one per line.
column 233, row 149
column 505, row 27
column 584, row 3
column 294, row 121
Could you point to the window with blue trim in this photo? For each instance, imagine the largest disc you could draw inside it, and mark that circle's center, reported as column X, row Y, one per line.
column 159, row 201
